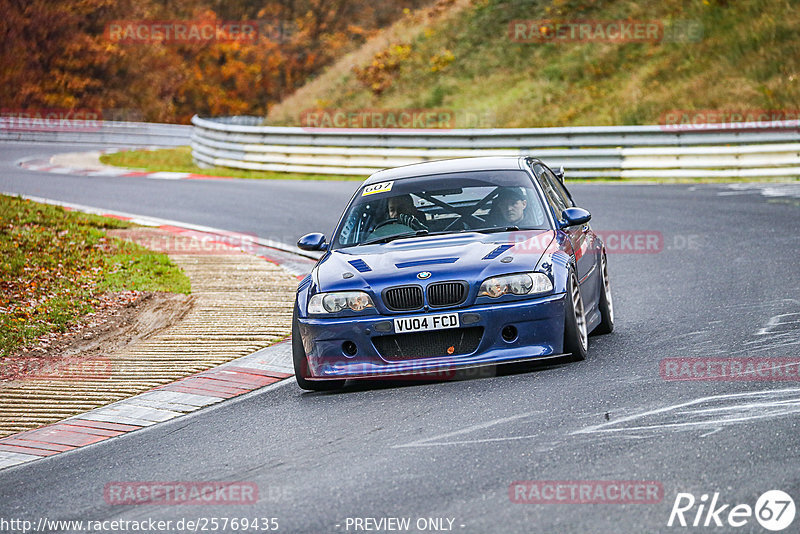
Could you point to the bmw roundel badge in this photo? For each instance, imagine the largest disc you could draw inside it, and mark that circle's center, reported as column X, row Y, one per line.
column 423, row 275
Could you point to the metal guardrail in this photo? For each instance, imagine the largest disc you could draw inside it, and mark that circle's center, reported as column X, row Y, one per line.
column 741, row 150
column 96, row 132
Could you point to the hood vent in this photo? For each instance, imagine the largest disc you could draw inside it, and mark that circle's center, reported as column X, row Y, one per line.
column 496, row 252
column 420, row 263
column 360, row 265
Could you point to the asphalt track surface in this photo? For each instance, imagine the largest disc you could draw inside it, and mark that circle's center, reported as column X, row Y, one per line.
column 724, row 284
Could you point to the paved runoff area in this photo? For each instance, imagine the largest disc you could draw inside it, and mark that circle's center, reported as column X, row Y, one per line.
column 88, row 164
column 242, row 311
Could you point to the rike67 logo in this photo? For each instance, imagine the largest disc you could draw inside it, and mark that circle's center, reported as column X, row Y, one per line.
column 774, row 510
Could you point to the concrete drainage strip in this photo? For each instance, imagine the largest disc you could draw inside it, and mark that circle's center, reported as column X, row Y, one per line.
column 243, row 375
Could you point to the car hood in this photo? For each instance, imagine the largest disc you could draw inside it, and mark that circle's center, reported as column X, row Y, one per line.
column 464, row 256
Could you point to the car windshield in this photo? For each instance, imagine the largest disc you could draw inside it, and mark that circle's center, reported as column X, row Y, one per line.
column 479, row 201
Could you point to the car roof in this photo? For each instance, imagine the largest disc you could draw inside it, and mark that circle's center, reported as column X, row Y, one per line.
column 443, row 166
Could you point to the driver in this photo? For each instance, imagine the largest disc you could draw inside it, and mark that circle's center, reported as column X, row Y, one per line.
column 402, row 208
column 508, row 207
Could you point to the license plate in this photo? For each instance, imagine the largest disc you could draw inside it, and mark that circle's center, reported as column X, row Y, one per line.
column 425, row 322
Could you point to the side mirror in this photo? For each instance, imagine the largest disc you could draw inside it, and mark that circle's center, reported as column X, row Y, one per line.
column 560, row 173
column 314, row 241
column 575, row 216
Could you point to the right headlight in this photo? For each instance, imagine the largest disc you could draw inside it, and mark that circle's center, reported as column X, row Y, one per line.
column 515, row 284
column 322, row 303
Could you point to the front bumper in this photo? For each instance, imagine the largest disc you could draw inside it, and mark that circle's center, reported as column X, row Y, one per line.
column 539, row 323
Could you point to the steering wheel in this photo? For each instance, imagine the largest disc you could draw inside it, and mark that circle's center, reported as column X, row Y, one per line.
column 404, row 219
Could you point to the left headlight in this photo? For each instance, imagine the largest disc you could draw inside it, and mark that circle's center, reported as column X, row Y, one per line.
column 341, row 300
column 515, row 284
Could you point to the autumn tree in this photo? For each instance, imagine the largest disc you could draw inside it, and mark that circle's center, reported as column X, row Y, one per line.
column 57, row 54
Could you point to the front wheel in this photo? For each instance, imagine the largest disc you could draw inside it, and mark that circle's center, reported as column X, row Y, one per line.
column 606, row 305
column 300, row 361
column 576, row 337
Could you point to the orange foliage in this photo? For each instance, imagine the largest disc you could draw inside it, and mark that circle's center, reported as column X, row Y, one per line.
column 380, row 73
column 58, row 54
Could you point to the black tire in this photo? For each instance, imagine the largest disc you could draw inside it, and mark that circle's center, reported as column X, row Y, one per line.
column 301, row 363
column 576, row 338
column 606, row 305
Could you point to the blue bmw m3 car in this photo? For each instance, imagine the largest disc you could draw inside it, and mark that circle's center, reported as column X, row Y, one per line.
column 446, row 265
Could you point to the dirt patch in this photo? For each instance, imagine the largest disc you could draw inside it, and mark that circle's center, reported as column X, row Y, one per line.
column 122, row 318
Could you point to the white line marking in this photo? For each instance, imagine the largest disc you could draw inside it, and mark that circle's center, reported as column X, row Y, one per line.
column 775, row 321
column 167, row 175
column 784, row 407
column 468, row 442
column 479, row 426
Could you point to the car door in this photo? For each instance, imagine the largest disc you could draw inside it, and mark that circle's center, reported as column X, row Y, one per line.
column 581, row 237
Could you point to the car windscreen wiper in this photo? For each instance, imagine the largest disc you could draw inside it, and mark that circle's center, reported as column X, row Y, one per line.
column 496, row 229
column 388, row 238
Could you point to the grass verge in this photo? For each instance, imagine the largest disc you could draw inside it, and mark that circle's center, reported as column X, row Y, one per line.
column 180, row 160
column 56, row 262
column 734, row 56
